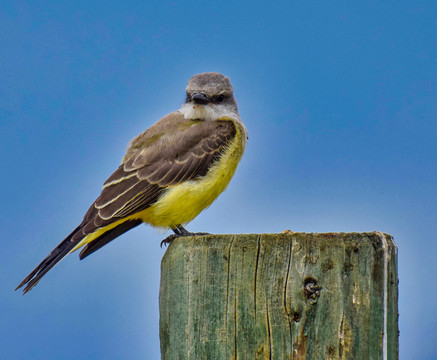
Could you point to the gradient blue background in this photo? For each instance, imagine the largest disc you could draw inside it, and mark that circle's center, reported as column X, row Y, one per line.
column 340, row 103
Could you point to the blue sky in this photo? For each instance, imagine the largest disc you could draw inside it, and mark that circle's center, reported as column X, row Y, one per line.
column 340, row 103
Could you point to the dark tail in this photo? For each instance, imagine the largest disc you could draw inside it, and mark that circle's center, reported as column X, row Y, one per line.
column 56, row 255
column 67, row 245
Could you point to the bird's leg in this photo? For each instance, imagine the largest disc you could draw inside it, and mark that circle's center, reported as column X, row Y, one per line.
column 179, row 231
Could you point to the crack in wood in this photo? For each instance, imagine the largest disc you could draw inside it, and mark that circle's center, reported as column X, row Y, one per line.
column 269, row 331
column 341, row 337
column 256, row 274
column 286, row 308
column 235, row 327
column 228, row 268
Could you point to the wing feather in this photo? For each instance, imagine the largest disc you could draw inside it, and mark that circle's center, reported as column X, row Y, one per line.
column 113, row 192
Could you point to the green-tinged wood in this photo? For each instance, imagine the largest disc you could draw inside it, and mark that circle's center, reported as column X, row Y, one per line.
column 280, row 296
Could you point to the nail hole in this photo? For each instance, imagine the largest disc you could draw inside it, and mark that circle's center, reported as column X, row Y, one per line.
column 296, row 317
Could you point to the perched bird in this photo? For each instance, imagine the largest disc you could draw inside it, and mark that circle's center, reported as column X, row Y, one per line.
column 170, row 173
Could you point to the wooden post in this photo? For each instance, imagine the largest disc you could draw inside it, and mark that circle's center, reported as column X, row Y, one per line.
column 280, row 296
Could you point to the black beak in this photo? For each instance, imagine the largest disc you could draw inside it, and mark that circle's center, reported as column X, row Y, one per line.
column 200, row 99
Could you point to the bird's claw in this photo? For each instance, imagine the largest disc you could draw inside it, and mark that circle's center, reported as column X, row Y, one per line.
column 168, row 240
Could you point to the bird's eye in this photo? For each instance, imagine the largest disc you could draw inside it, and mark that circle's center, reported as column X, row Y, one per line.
column 219, row 99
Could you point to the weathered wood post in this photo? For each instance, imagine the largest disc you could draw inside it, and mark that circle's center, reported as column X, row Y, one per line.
column 280, row 296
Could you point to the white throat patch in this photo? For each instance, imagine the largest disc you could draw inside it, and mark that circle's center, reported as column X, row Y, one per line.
column 208, row 112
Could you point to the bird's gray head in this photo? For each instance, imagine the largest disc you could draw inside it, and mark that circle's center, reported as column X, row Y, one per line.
column 211, row 88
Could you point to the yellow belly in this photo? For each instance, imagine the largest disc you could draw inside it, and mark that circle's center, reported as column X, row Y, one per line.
column 182, row 203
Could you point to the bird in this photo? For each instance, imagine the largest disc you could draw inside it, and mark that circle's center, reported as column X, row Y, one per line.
column 170, row 173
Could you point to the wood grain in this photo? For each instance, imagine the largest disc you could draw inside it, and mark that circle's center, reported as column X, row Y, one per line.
column 280, row 296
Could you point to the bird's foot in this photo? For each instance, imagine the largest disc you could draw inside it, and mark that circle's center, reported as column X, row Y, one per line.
column 169, row 239
column 178, row 232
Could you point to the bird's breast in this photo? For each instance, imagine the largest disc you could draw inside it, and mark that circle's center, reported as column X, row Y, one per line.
column 181, row 203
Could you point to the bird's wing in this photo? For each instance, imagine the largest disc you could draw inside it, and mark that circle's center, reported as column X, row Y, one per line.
column 172, row 151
